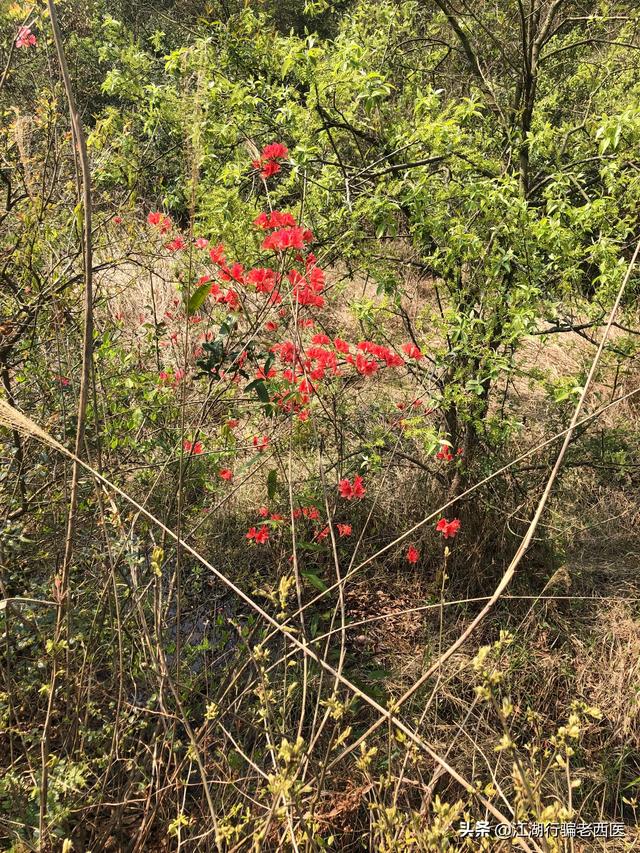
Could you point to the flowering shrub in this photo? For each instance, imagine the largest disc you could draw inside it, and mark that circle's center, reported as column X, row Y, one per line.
column 263, row 334
column 308, row 362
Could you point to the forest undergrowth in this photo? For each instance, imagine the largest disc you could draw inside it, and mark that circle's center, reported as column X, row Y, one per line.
column 319, row 426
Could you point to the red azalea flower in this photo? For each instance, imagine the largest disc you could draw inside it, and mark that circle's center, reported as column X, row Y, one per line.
column 448, row 528
column 311, row 512
column 160, row 221
column 232, row 299
column 352, row 490
column 261, row 536
column 268, row 165
column 344, row 529
column 275, row 151
column 269, row 169
column 286, row 238
column 232, row 423
column 366, row 366
column 176, row 244
column 202, row 243
column 195, row 447
column 262, row 220
column 345, row 489
column 117, row 220
column 260, row 443
column 412, row 350
column 236, row 273
column 25, row 38
column 444, row 453
column 413, row 555
column 275, row 219
column 358, row 487
column 217, row 255
column 226, row 474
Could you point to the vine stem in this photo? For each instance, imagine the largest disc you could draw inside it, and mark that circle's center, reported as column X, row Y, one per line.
column 83, row 173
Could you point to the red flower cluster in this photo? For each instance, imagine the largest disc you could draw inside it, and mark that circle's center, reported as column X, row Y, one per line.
column 307, row 289
column 448, row 528
column 368, row 366
column 275, row 219
column 226, row 474
column 413, row 555
column 263, row 512
column 352, row 490
column 217, row 255
column 287, row 351
column 176, row 244
column 264, row 281
column 319, row 360
column 260, row 536
column 291, row 237
column 344, row 529
column 26, row 38
column 285, row 234
column 310, row 512
column 166, row 378
column 275, row 151
column 159, row 220
column 412, row 351
column 268, row 162
column 192, row 447
column 261, row 443
column 444, row 453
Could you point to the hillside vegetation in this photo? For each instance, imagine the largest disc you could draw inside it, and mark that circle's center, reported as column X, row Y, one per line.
column 319, row 341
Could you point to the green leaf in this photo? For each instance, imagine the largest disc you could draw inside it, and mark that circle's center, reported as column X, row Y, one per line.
column 315, row 581
column 197, row 298
column 377, row 674
column 260, row 388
